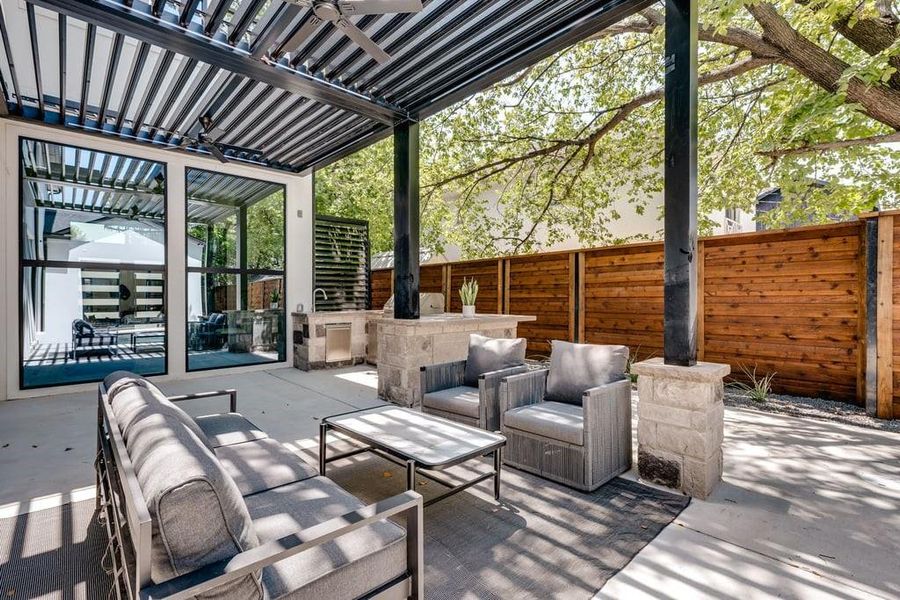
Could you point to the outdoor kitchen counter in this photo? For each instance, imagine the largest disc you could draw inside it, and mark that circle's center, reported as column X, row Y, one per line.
column 404, row 346
column 310, row 335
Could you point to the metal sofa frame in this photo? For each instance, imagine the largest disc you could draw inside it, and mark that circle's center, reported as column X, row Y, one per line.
column 123, row 511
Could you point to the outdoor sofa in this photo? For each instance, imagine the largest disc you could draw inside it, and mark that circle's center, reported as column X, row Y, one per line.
column 570, row 423
column 213, row 508
column 467, row 391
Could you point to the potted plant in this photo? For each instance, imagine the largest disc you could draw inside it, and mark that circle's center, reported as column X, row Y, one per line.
column 274, row 299
column 468, row 292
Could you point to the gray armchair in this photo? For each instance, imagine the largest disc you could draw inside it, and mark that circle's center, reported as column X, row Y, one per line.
column 444, row 394
column 467, row 391
column 560, row 427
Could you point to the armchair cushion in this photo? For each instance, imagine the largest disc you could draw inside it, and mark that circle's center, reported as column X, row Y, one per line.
column 576, row 368
column 555, row 420
column 491, row 354
column 462, row 400
column 347, row 567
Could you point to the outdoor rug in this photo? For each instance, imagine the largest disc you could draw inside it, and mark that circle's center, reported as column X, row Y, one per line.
column 542, row 541
column 53, row 553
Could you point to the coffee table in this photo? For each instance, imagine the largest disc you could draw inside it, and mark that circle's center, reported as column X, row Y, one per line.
column 422, row 443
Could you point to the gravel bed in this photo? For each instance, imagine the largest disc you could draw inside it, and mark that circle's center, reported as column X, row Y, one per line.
column 816, row 408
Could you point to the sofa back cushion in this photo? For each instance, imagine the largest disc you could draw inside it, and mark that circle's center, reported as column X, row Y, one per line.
column 122, row 390
column 490, row 354
column 576, row 368
column 198, row 514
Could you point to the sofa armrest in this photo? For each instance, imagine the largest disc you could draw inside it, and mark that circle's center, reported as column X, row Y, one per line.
column 522, row 389
column 442, row 376
column 408, row 505
column 231, row 393
column 489, row 394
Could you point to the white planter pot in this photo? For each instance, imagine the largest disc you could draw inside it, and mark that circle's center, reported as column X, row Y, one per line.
column 468, row 311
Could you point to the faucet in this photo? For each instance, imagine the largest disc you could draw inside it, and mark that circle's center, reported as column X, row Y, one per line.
column 317, row 290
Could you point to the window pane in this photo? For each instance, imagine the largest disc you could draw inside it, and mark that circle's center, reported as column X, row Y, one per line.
column 226, row 336
column 93, row 228
column 79, row 325
column 235, row 264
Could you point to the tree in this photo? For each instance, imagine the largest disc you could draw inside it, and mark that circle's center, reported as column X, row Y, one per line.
column 792, row 92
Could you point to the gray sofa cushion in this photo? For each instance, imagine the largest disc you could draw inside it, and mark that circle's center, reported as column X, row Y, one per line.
column 554, row 420
column 198, row 514
column 462, row 400
column 127, row 402
column 576, row 368
column 491, row 354
column 262, row 465
column 229, row 428
column 344, row 568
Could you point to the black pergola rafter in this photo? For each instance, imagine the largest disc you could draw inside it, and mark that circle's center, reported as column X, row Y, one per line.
column 171, row 36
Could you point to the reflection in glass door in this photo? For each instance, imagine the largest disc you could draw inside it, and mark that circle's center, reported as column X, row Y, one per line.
column 92, row 254
column 235, row 271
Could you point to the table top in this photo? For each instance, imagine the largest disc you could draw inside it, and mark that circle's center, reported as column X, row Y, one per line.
column 430, row 441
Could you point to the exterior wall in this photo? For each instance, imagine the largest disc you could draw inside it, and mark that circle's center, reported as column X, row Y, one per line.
column 298, row 201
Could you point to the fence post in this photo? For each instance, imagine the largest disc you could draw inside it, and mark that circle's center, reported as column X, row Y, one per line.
column 573, row 299
column 581, row 300
column 445, row 285
column 884, row 314
column 501, row 287
column 701, row 337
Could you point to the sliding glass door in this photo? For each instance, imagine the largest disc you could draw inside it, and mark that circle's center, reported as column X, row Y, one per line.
column 93, row 255
column 235, row 271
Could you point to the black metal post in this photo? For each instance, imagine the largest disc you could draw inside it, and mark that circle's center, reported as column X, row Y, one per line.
column 243, row 281
column 680, row 313
column 406, row 221
column 871, row 386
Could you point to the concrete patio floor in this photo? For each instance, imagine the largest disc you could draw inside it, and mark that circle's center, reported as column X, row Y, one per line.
column 808, row 509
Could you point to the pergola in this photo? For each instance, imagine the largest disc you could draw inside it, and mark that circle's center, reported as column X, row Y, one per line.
column 284, row 95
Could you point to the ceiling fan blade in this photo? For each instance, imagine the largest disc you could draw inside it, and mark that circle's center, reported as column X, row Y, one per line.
column 302, row 34
column 214, row 134
column 214, row 150
column 378, row 7
column 362, row 40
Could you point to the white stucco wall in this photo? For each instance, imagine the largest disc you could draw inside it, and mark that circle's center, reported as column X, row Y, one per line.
column 299, row 253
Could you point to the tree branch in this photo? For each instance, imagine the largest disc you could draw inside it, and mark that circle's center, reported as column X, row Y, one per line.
column 620, row 114
column 826, row 70
column 836, row 145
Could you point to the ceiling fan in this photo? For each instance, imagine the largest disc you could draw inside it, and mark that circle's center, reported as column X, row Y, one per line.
column 206, row 135
column 337, row 13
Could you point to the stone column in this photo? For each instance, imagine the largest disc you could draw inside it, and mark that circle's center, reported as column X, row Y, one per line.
column 681, row 424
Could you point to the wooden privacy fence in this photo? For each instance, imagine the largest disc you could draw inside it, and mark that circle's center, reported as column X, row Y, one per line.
column 814, row 305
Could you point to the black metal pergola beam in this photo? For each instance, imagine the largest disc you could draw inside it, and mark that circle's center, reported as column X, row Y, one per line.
column 680, row 279
column 170, row 36
column 406, row 221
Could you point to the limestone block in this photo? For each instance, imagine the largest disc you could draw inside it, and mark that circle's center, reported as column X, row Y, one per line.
column 659, row 467
column 687, row 442
column 682, row 394
column 645, row 391
column 699, row 477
